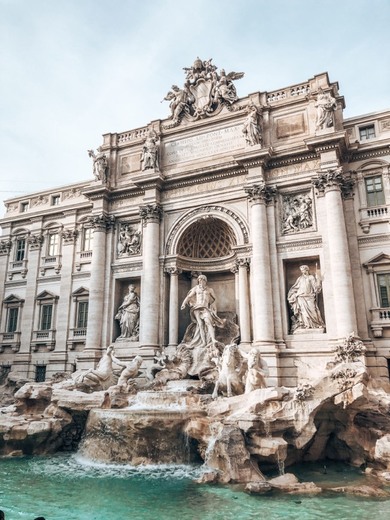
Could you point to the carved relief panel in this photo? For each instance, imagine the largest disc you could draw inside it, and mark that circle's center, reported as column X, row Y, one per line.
column 129, row 240
column 297, row 213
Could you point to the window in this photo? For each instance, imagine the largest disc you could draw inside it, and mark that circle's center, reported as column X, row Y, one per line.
column 40, row 373
column 12, row 319
column 53, row 244
column 46, row 316
column 20, row 249
column 87, row 239
column 384, row 289
column 82, row 315
column 374, row 191
column 55, row 200
column 23, row 207
column 366, row 132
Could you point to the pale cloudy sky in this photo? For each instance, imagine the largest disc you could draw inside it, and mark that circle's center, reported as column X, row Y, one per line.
column 71, row 70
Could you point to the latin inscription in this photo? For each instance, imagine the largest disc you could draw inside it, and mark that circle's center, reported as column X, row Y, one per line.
column 203, row 145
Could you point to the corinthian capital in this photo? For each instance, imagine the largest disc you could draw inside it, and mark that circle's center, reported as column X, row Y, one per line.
column 150, row 213
column 329, row 179
column 101, row 222
column 260, row 193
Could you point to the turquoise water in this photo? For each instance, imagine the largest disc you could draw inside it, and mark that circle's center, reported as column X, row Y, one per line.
column 66, row 487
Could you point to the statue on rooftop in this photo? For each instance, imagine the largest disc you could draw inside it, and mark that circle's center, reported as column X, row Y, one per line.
column 251, row 127
column 100, row 165
column 150, row 152
column 204, row 93
column 326, row 104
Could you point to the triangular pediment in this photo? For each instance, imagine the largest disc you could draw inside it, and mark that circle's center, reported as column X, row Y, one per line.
column 381, row 259
column 12, row 298
column 82, row 291
column 46, row 295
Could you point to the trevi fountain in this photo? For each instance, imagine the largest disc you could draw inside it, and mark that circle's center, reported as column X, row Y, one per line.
column 268, row 398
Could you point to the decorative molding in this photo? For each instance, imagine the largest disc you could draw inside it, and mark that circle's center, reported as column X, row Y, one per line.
column 298, row 245
column 124, row 268
column 383, row 238
column 370, row 154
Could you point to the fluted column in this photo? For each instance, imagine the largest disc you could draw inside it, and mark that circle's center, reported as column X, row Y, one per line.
column 101, row 224
column 173, row 328
column 150, row 286
column 331, row 183
column 258, row 195
column 243, row 301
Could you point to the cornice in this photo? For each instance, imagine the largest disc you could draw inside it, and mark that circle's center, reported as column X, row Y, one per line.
column 374, row 239
column 204, row 174
column 280, row 162
column 292, row 245
column 369, row 154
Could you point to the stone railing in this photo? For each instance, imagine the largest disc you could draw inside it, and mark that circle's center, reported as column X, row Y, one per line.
column 10, row 339
column 288, row 93
column 43, row 337
column 380, row 319
column 80, row 332
column 372, row 215
column 132, row 135
column 19, row 266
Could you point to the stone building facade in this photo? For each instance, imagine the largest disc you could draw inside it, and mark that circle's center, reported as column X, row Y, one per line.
column 244, row 190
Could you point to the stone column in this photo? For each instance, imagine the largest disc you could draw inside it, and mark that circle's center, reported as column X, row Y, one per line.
column 173, row 339
column 243, row 301
column 259, row 195
column 330, row 184
column 150, row 287
column 101, row 224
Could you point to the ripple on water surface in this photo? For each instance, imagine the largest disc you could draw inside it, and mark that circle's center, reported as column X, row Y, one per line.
column 73, row 488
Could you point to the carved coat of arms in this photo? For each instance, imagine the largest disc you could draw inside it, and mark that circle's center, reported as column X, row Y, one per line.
column 204, row 93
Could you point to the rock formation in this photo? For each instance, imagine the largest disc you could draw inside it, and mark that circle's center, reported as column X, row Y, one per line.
column 343, row 416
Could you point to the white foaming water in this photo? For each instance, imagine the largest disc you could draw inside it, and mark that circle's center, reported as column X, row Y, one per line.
column 77, row 466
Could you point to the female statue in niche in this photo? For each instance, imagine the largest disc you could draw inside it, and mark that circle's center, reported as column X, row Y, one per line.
column 302, row 298
column 128, row 315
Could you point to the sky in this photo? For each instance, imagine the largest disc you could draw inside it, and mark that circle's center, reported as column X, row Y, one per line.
column 72, row 70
